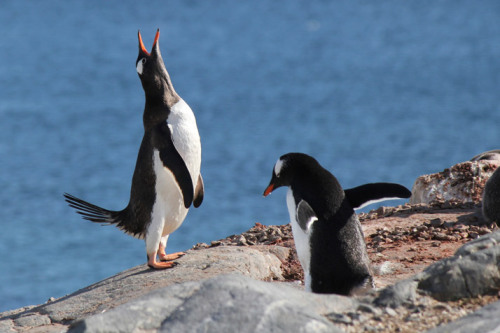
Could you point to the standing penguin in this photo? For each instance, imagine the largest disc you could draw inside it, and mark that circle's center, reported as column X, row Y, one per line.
column 327, row 233
column 167, row 177
column 491, row 198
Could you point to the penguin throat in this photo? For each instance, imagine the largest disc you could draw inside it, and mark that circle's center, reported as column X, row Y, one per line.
column 160, row 93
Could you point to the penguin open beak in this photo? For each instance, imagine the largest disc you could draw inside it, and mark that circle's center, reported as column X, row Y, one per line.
column 142, row 48
column 269, row 189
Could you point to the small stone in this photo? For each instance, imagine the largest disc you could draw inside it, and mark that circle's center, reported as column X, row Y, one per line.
column 369, row 309
column 442, row 236
column 436, row 244
column 390, row 311
column 441, row 307
column 484, row 231
column 473, row 235
column 242, row 240
column 339, row 318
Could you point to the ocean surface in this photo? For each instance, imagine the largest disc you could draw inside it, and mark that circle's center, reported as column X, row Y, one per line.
column 375, row 90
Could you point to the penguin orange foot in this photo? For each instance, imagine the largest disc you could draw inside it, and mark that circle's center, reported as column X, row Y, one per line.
column 167, row 178
column 168, row 257
column 153, row 263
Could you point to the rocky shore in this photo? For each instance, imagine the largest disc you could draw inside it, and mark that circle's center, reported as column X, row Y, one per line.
column 437, row 269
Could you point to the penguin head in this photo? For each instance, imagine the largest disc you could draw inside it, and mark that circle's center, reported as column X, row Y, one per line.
column 149, row 64
column 288, row 168
column 151, row 69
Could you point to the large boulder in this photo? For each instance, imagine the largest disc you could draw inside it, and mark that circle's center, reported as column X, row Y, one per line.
column 462, row 182
column 227, row 303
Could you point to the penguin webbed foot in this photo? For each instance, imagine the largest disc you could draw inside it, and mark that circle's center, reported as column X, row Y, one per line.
column 169, row 257
column 165, row 260
column 162, row 264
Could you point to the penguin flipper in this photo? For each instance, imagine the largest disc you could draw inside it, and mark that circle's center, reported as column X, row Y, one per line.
column 305, row 216
column 199, row 192
column 367, row 194
column 173, row 161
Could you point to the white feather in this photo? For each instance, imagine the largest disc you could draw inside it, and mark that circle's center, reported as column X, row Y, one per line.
column 371, row 202
column 278, row 166
column 301, row 238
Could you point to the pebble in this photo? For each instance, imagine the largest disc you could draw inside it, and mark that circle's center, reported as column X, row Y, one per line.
column 437, row 222
column 391, row 312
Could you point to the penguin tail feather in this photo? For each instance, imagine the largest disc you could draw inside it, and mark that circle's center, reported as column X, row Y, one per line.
column 92, row 212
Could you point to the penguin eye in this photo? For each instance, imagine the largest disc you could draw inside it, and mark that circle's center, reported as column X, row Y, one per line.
column 140, row 65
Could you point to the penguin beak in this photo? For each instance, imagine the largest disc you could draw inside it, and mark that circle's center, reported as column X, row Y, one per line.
column 156, row 49
column 269, row 189
column 142, row 48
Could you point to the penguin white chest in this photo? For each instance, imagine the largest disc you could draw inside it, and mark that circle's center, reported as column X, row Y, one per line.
column 186, row 138
column 301, row 239
column 168, row 210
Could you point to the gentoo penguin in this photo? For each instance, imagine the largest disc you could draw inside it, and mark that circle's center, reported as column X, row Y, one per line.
column 491, row 198
column 167, row 177
column 327, row 232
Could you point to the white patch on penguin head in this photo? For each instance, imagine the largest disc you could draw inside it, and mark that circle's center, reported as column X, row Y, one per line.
column 278, row 167
column 140, row 65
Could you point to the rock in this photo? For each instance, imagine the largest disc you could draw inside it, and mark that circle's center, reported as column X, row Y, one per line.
column 32, row 320
column 228, row 303
column 257, row 263
column 484, row 320
column 491, row 155
column 474, row 270
column 462, row 182
column 398, row 294
column 194, row 296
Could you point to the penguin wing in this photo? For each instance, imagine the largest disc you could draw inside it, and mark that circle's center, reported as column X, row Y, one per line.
column 173, row 161
column 199, row 192
column 305, row 216
column 367, row 194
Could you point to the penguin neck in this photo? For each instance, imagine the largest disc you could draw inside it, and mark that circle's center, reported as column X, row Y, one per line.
column 160, row 97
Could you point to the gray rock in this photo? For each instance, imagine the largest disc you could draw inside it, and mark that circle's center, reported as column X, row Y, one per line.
column 228, row 303
column 258, row 263
column 6, row 325
column 485, row 320
column 32, row 320
column 473, row 271
column 398, row 294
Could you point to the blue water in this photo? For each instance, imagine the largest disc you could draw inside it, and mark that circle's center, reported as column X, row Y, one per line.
column 375, row 90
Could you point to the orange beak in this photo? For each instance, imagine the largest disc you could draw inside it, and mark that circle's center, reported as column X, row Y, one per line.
column 141, row 44
column 268, row 190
